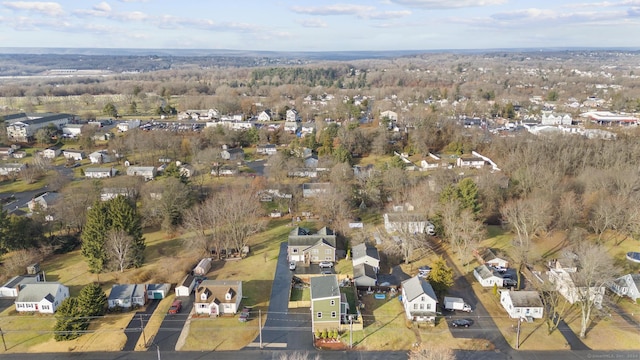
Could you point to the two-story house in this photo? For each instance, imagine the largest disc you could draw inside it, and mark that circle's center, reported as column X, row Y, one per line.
column 419, row 300
column 218, row 297
column 325, row 303
column 627, row 285
column 310, row 248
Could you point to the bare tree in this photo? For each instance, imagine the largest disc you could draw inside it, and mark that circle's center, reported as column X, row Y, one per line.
column 119, row 244
column 607, row 213
column 461, row 229
column 595, row 271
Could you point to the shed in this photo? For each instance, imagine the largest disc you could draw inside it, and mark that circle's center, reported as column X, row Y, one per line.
column 186, row 286
column 203, row 267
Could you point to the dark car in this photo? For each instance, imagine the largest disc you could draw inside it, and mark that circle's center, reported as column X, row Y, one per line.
column 509, row 283
column 461, row 323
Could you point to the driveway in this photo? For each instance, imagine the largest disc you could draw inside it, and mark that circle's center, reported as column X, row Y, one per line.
column 171, row 327
column 134, row 329
column 284, row 329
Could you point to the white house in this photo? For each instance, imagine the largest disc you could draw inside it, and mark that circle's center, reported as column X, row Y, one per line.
column 128, row 125
column 265, row 116
column 107, row 194
column 470, row 162
column 365, row 254
column 488, row 257
column 218, row 297
column 292, row 127
column 76, row 155
column 148, row 172
column 315, row 189
column 292, row 115
column 51, row 153
column 267, row 149
column 11, row 168
column 522, row 304
column 11, row 287
column 627, row 285
column 43, row 201
column 100, row 157
column 42, row 297
column 562, row 279
column 408, row 223
column 72, row 130
column 419, row 299
column 100, row 173
column 487, row 277
column 186, row 286
column 391, row 115
column 127, row 295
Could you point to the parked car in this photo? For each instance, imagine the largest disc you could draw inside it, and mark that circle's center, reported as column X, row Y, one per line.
column 461, row 323
column 325, row 264
column 244, row 315
column 292, row 265
column 500, row 269
column 175, row 307
column 326, row 272
column 509, row 283
column 423, row 271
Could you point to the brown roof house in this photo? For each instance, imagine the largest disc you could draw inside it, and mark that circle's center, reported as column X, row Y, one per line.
column 218, row 297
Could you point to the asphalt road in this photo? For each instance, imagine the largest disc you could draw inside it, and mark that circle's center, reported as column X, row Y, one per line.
column 171, row 327
column 137, row 323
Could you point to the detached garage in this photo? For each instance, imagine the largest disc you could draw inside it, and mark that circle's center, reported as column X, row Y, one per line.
column 185, row 287
column 203, row 267
column 157, row 291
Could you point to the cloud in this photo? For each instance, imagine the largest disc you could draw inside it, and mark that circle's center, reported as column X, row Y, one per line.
column 312, row 23
column 46, row 8
column 103, row 6
column 337, row 9
column 447, row 4
column 134, row 1
column 604, row 4
column 384, row 15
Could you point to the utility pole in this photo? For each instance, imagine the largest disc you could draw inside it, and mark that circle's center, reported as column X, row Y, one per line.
column 260, row 325
column 3, row 343
column 518, row 335
column 144, row 339
column 350, row 331
column 158, row 348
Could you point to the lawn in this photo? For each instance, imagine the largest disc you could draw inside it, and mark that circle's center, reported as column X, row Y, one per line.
column 223, row 333
column 298, row 294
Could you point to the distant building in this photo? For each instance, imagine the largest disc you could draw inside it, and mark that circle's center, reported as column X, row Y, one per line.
column 22, row 127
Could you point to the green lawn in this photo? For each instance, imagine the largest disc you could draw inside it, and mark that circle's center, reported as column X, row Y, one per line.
column 300, row 294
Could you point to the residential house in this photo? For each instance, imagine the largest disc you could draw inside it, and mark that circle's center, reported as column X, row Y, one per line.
column 42, row 297
column 234, row 154
column 307, row 128
column 225, row 170
column 76, row 155
column 100, row 157
column 627, row 285
column 265, row 116
column 365, row 254
column 391, row 115
column 292, row 116
column 148, row 172
column 11, row 168
column 100, row 172
column 488, row 257
column 408, row 223
column 19, row 154
column 6, row 152
column 311, row 248
column 22, row 127
column 267, row 149
column 185, row 287
column 292, row 127
column 548, row 118
column 12, row 287
column 561, row 273
column 72, row 130
column 488, row 277
column 43, row 201
column 126, row 296
column 522, row 304
column 107, row 194
column 51, row 153
column 470, row 162
column 419, row 300
column 187, row 170
column 430, row 162
column 365, row 275
column 128, row 125
column 325, row 303
column 218, row 297
column 158, row 291
column 310, row 190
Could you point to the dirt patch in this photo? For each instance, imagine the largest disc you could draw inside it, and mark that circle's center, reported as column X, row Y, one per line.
column 330, row 344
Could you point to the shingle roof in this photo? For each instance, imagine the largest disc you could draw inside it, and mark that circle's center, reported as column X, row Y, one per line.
column 324, row 287
column 525, row 298
column 20, row 280
column 485, row 273
column 217, row 289
column 121, row 291
column 363, row 250
column 37, row 291
column 416, row 286
column 365, row 270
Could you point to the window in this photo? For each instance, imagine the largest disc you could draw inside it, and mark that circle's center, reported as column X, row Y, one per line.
column 333, row 314
column 327, row 251
column 428, row 306
column 319, row 315
column 415, row 306
column 332, row 302
column 422, row 298
column 295, row 251
column 314, row 251
column 421, row 306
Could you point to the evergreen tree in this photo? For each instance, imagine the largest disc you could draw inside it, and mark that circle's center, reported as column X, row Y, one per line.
column 93, row 237
column 123, row 216
column 70, row 323
column 92, row 300
column 441, row 277
column 468, row 195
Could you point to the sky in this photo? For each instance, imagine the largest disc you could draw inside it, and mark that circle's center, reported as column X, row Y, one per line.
column 320, row 25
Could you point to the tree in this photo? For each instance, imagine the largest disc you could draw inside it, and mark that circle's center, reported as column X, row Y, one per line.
column 92, row 300
column 595, row 271
column 123, row 216
column 118, row 246
column 110, row 110
column 93, row 237
column 165, row 202
column 426, row 352
column 70, row 321
column 441, row 277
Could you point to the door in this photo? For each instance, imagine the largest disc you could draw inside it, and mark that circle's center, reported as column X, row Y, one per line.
column 157, row 295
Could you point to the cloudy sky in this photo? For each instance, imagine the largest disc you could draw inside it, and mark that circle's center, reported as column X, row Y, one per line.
column 320, row 25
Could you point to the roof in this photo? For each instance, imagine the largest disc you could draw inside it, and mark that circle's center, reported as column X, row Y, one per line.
column 485, row 272
column 20, row 280
column 302, row 237
column 187, row 281
column 364, row 270
column 324, row 287
column 417, row 286
column 364, row 250
column 156, row 287
column 234, row 150
column 97, row 169
column 525, row 298
column 121, row 291
column 216, row 290
column 37, row 291
column 73, row 151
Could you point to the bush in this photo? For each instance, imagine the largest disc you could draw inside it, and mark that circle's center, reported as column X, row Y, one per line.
column 323, row 334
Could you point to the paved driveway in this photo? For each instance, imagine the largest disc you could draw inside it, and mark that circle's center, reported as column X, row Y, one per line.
column 171, row 327
column 134, row 329
column 284, row 329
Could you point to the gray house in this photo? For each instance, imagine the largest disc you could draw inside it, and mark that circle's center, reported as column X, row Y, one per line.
column 365, row 254
column 127, row 296
column 365, row 275
column 312, row 248
column 148, row 172
column 232, row 154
